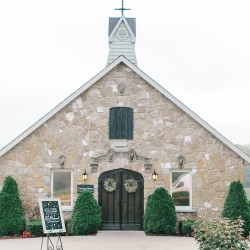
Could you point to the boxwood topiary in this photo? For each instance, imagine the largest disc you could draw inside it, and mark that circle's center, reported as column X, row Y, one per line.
column 236, row 205
column 12, row 220
column 86, row 217
column 160, row 216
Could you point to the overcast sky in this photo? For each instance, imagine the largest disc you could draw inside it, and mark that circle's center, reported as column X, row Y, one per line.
column 198, row 50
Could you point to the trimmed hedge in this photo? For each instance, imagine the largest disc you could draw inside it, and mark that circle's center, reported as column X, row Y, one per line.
column 160, row 216
column 86, row 217
column 186, row 227
column 12, row 220
column 237, row 206
column 35, row 227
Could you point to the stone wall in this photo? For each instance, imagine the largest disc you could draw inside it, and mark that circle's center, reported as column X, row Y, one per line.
column 162, row 132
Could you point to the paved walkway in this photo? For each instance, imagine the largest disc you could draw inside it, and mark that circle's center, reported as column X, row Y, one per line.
column 107, row 240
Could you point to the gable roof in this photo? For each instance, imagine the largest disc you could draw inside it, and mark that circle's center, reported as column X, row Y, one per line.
column 114, row 20
column 122, row 19
column 149, row 80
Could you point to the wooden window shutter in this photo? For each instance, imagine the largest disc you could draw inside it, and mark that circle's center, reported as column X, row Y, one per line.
column 121, row 123
column 112, row 123
column 130, row 123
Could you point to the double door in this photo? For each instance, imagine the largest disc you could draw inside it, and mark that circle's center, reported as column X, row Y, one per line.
column 121, row 198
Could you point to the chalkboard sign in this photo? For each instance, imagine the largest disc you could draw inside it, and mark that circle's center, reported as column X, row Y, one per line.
column 52, row 217
column 82, row 187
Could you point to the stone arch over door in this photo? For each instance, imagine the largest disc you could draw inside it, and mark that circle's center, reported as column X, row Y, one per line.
column 122, row 205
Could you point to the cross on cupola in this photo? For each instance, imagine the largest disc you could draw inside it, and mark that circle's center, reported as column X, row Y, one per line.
column 122, row 8
column 122, row 37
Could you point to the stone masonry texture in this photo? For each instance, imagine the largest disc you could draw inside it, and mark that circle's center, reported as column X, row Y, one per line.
column 162, row 132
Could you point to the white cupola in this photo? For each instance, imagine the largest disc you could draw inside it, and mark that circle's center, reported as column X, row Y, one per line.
column 122, row 38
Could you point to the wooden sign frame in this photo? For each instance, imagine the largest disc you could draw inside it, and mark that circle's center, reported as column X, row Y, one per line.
column 52, row 216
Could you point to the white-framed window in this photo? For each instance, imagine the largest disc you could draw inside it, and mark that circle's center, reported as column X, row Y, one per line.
column 62, row 187
column 181, row 189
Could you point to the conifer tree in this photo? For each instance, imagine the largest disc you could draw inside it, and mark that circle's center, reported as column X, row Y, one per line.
column 160, row 216
column 236, row 205
column 86, row 217
column 12, row 220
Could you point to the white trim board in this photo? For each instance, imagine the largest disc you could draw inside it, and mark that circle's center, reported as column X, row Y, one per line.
column 149, row 80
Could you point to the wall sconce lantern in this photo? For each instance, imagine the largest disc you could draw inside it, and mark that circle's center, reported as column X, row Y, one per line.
column 181, row 161
column 62, row 160
column 155, row 175
column 84, row 175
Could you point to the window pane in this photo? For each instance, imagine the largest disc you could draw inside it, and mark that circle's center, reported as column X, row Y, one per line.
column 181, row 188
column 62, row 187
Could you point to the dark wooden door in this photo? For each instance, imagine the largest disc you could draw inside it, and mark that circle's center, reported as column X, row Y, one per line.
column 121, row 197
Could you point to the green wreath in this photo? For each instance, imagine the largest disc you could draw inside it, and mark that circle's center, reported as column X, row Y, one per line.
column 131, row 185
column 110, row 185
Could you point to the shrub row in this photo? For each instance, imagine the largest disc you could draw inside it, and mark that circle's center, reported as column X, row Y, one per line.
column 35, row 227
column 86, row 217
column 186, row 227
column 159, row 217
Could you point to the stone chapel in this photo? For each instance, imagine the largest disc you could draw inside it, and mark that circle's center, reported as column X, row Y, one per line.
column 121, row 136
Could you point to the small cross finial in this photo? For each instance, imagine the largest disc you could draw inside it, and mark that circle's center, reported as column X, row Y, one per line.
column 122, row 8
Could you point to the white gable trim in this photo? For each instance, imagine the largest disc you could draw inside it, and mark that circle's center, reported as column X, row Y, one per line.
column 189, row 112
column 59, row 107
column 148, row 80
column 122, row 19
